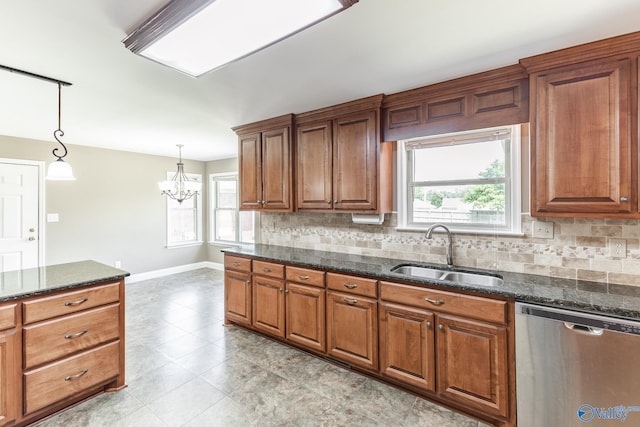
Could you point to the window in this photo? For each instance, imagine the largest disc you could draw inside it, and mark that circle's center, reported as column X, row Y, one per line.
column 469, row 181
column 228, row 224
column 184, row 220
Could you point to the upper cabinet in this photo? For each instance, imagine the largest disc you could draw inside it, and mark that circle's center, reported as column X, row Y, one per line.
column 493, row 98
column 341, row 164
column 264, row 170
column 584, row 121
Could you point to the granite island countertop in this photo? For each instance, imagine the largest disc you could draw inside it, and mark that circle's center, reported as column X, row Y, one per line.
column 593, row 297
column 40, row 280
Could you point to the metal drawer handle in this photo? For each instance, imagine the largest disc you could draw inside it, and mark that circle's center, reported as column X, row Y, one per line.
column 350, row 300
column 72, row 303
column 304, row 277
column 236, row 264
column 267, row 270
column 434, row 301
column 76, row 376
column 76, row 335
column 350, row 285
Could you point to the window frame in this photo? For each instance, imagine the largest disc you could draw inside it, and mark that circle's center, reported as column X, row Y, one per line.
column 198, row 209
column 512, row 181
column 213, row 178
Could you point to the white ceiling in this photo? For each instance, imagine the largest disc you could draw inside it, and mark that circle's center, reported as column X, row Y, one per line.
column 124, row 102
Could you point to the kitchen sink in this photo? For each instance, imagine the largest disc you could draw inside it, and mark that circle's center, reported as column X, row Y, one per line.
column 463, row 277
column 426, row 272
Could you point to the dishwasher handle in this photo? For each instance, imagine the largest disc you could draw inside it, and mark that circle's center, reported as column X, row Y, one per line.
column 582, row 329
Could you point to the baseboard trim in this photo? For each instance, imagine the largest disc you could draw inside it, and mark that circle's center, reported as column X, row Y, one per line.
column 173, row 270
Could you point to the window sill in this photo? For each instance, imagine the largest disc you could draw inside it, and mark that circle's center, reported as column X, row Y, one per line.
column 467, row 231
column 184, row 245
column 230, row 244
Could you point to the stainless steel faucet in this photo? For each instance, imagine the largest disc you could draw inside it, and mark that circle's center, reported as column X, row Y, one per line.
column 449, row 248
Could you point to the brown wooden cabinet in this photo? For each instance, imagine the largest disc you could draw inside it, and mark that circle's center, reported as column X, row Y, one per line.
column 581, row 139
column 264, row 170
column 9, row 366
column 352, row 329
column 452, row 344
column 584, row 121
column 305, row 308
column 237, row 290
column 268, row 297
column 407, row 345
column 472, row 364
column 340, row 163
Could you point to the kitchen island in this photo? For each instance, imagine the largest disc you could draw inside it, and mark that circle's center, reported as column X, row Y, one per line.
column 61, row 337
column 453, row 343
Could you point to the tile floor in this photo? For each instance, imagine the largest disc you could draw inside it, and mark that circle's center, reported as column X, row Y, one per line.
column 185, row 369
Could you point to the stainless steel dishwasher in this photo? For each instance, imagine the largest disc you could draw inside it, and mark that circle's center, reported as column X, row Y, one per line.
column 576, row 369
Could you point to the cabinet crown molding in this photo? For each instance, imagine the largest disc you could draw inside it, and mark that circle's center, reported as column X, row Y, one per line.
column 614, row 46
column 268, row 124
column 327, row 113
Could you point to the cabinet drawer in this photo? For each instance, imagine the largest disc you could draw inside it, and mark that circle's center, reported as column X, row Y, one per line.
column 447, row 302
column 7, row 317
column 269, row 269
column 67, row 377
column 237, row 263
column 352, row 284
column 53, row 339
column 70, row 302
column 306, row 276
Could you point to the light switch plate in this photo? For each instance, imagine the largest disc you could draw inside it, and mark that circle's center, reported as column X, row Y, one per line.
column 542, row 230
column 617, row 248
column 53, row 217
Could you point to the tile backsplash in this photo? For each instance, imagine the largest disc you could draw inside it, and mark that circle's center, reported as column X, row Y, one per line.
column 579, row 248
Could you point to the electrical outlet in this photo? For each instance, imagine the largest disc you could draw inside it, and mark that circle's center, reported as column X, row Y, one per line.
column 542, row 230
column 118, row 264
column 617, row 248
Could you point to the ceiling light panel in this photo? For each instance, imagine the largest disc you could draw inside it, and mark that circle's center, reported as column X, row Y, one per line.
column 198, row 36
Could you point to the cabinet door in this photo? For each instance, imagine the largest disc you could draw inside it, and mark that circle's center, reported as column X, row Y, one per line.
column 305, row 306
column 355, row 149
column 9, row 369
column 268, row 305
column 407, row 345
column 313, row 166
column 276, row 169
column 250, row 171
column 352, row 329
column 581, row 139
column 237, row 297
column 472, row 364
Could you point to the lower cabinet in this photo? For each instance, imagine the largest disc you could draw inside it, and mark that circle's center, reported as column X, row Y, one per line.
column 352, row 329
column 465, row 347
column 9, row 366
column 407, row 345
column 447, row 346
column 268, row 305
column 305, row 316
column 237, row 297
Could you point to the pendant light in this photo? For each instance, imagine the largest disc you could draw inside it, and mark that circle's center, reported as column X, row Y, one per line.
column 179, row 188
column 59, row 170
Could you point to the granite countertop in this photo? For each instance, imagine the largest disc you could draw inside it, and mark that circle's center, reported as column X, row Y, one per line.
column 594, row 297
column 40, row 280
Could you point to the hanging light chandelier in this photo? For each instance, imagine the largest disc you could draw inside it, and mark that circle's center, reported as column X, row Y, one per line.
column 179, row 188
column 59, row 170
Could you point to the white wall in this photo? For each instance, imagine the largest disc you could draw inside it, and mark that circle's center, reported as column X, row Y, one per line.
column 113, row 211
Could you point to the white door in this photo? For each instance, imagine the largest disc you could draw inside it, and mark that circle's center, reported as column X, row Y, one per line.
column 19, row 219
